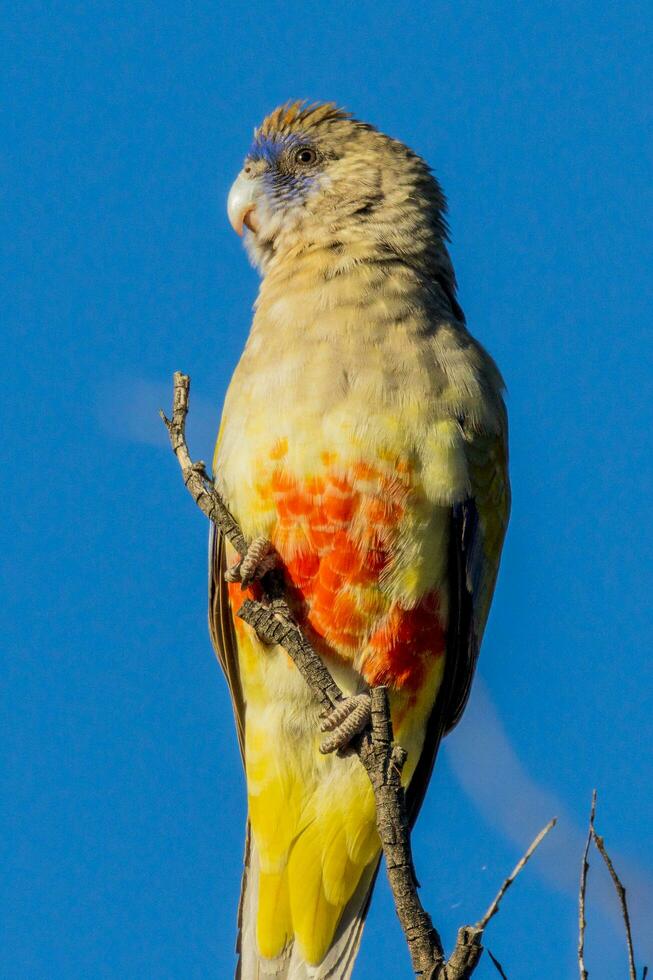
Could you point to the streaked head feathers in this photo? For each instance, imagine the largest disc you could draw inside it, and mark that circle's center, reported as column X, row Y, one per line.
column 316, row 177
column 299, row 115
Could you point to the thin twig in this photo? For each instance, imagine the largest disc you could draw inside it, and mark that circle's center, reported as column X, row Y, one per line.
column 582, row 921
column 621, row 892
column 382, row 759
column 197, row 481
column 494, row 907
column 465, row 957
column 497, row 964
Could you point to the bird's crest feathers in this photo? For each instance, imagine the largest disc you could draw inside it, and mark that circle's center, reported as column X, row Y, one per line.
column 301, row 114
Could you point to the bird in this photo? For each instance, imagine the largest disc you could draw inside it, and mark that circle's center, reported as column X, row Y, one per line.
column 363, row 450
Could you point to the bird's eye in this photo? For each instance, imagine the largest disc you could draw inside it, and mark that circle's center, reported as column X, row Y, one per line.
column 305, row 156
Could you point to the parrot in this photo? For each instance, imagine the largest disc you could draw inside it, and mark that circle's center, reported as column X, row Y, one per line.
column 363, row 450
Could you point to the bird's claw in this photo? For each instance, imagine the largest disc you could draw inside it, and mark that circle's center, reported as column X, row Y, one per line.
column 255, row 563
column 347, row 720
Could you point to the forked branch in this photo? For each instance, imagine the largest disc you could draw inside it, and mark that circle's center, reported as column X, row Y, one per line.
column 597, row 840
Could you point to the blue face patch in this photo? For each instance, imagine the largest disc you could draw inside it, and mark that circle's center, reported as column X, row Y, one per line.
column 270, row 148
column 280, row 187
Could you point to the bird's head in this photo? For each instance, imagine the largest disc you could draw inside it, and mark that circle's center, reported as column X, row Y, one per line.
column 316, row 177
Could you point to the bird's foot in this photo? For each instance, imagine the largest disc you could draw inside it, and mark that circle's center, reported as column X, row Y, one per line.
column 259, row 559
column 347, row 720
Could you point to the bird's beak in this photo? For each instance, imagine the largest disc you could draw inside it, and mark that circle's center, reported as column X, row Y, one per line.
column 241, row 203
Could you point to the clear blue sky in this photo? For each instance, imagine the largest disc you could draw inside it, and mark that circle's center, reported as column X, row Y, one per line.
column 124, row 124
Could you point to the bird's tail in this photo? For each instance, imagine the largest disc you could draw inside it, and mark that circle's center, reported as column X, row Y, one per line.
column 338, row 962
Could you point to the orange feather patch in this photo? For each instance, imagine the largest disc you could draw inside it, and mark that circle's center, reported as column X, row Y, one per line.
column 336, row 535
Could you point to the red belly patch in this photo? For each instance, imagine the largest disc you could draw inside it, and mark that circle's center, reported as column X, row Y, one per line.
column 336, row 534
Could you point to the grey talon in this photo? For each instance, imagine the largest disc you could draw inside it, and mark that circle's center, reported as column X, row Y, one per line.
column 254, row 564
column 347, row 720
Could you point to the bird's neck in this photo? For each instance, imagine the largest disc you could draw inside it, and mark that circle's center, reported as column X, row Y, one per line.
column 348, row 283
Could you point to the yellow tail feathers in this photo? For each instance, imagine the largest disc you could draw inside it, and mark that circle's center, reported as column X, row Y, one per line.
column 273, row 922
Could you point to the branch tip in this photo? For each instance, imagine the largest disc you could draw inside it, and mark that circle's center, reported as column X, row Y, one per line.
column 521, row 864
column 500, row 970
column 621, row 895
column 582, row 890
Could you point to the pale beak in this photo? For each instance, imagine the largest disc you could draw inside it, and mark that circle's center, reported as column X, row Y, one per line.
column 241, row 203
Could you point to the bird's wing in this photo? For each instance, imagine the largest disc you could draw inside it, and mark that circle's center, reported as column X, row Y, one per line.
column 221, row 628
column 477, row 530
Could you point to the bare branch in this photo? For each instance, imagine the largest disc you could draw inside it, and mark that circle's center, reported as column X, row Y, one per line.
column 464, row 959
column 274, row 625
column 497, row 964
column 198, row 483
column 382, row 759
column 582, row 922
column 621, row 892
column 494, row 907
column 383, row 762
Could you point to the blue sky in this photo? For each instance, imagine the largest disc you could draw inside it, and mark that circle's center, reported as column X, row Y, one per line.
column 124, row 124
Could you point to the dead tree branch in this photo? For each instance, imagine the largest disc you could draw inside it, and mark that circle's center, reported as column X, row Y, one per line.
column 500, row 970
column 494, row 907
column 593, row 837
column 382, row 759
column 621, row 894
column 582, row 921
column 195, row 477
